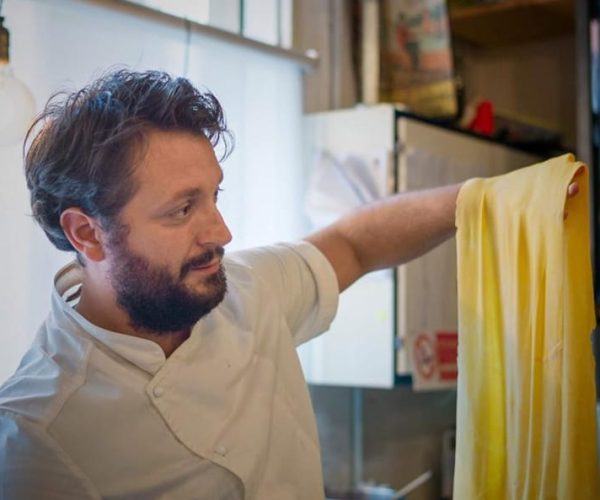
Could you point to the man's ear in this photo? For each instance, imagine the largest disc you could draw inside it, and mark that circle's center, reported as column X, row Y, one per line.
column 84, row 233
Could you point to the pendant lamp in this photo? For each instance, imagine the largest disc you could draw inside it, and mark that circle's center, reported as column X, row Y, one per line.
column 17, row 106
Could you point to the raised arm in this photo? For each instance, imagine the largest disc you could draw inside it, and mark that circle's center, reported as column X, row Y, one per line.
column 393, row 231
column 388, row 233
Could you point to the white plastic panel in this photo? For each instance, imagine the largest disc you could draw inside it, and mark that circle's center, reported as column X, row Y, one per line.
column 358, row 350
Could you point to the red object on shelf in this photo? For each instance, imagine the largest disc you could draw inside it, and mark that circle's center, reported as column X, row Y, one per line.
column 483, row 123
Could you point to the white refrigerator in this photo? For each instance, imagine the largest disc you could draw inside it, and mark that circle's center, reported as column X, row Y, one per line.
column 395, row 323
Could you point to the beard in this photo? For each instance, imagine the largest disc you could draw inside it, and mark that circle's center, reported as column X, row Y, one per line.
column 155, row 300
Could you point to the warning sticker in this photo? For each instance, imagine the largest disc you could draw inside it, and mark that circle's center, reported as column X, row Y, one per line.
column 434, row 360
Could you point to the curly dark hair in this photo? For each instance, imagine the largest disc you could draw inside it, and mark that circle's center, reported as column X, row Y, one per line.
column 82, row 146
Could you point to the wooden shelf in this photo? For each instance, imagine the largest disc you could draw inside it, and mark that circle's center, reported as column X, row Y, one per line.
column 513, row 21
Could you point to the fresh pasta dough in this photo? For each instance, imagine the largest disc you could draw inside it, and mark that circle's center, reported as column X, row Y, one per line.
column 526, row 398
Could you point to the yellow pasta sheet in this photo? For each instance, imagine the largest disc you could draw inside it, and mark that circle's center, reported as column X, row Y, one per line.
column 526, row 399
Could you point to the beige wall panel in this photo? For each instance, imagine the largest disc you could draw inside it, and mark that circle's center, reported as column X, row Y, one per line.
column 324, row 26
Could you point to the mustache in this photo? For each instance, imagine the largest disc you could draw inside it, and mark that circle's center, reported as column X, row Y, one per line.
column 203, row 259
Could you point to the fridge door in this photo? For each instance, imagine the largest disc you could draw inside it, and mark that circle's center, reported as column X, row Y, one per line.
column 356, row 156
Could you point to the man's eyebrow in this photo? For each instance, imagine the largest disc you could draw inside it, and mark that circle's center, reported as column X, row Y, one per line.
column 186, row 194
column 189, row 193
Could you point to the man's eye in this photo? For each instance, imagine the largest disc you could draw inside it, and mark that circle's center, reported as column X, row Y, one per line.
column 219, row 190
column 182, row 212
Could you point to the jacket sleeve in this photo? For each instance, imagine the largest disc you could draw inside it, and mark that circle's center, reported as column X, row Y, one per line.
column 32, row 465
column 301, row 279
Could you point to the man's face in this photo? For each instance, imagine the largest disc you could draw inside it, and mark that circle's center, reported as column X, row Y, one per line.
column 165, row 259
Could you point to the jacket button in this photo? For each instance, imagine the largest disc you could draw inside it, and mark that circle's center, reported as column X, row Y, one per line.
column 221, row 450
column 158, row 391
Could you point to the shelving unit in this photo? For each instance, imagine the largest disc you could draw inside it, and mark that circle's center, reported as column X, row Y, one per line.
column 512, row 21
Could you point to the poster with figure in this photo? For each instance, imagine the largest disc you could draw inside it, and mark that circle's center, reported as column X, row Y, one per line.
column 416, row 57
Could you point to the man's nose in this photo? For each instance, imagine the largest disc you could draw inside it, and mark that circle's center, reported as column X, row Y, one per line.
column 219, row 232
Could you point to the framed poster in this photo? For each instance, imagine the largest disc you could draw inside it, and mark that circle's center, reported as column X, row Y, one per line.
column 416, row 67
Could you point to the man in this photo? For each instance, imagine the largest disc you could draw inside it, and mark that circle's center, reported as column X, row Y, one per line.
column 166, row 370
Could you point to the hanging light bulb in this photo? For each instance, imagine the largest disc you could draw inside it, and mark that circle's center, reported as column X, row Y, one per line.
column 17, row 106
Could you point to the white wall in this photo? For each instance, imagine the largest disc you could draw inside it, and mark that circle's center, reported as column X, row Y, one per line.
column 58, row 43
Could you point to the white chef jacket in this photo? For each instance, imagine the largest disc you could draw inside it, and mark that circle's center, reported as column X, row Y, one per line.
column 92, row 413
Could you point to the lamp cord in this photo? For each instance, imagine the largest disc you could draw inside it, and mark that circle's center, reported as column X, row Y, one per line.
column 188, row 41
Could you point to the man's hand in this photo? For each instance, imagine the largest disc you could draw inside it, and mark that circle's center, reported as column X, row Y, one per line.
column 573, row 188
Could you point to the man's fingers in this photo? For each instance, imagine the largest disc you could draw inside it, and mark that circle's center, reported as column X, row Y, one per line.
column 573, row 189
